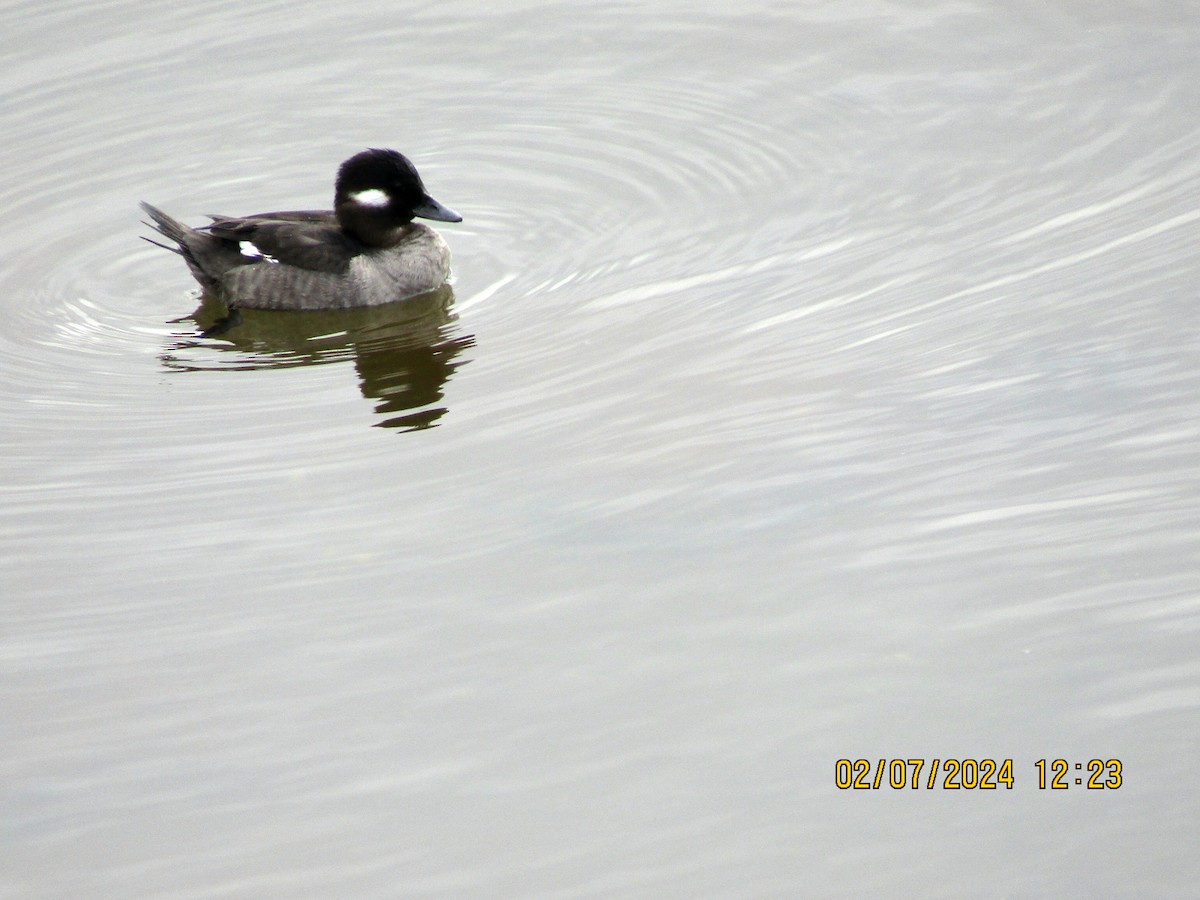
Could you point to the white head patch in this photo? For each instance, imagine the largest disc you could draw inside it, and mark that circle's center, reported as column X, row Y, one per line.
column 372, row 197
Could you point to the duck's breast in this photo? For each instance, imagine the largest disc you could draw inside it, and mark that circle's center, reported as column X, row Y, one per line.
column 419, row 263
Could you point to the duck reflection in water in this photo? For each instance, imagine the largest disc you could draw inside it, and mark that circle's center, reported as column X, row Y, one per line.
column 404, row 352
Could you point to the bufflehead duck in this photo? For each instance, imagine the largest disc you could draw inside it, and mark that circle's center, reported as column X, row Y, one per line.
column 367, row 251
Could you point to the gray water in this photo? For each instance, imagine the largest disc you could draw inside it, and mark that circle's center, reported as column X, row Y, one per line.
column 818, row 381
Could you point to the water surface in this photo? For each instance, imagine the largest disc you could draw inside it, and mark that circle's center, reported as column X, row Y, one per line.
column 818, row 381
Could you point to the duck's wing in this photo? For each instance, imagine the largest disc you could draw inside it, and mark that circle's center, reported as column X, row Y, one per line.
column 306, row 240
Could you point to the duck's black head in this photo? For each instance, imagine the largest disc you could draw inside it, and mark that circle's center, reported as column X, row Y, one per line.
column 379, row 192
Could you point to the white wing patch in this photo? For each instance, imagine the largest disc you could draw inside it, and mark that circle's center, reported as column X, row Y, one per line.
column 252, row 252
column 371, row 197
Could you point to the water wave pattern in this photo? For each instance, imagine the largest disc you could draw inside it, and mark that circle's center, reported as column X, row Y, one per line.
column 897, row 215
column 933, row 222
column 961, row 264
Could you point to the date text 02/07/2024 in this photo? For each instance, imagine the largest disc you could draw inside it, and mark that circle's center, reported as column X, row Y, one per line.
column 973, row 774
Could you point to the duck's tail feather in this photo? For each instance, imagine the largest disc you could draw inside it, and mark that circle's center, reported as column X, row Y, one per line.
column 160, row 243
column 205, row 255
column 169, row 228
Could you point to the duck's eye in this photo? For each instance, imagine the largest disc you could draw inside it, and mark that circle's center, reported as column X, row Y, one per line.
column 372, row 197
